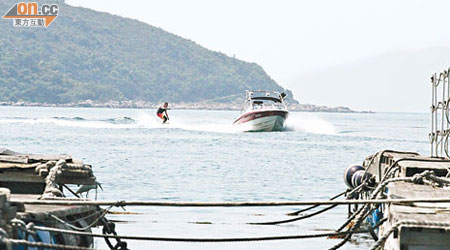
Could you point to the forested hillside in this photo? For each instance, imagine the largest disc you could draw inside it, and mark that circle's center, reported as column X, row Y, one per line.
column 90, row 55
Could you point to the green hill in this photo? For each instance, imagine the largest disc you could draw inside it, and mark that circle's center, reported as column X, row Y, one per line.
column 90, row 55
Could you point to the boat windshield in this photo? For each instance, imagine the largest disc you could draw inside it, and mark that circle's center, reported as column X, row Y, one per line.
column 263, row 100
column 265, row 104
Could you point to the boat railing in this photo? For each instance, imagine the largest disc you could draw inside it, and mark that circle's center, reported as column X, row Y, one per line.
column 277, row 100
column 440, row 115
column 262, row 93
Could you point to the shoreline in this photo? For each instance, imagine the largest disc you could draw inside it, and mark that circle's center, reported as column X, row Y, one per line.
column 182, row 106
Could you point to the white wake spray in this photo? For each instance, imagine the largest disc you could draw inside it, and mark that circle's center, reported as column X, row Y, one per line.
column 311, row 123
column 306, row 122
column 145, row 120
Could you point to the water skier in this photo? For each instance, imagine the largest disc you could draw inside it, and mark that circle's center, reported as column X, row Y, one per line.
column 162, row 112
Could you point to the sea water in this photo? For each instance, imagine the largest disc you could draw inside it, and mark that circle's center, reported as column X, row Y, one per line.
column 200, row 156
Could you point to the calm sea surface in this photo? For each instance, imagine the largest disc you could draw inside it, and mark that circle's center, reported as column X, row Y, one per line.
column 200, row 157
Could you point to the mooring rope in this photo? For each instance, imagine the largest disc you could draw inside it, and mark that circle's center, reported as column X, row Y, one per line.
column 105, row 211
column 381, row 154
column 353, row 216
column 204, row 240
column 293, row 219
column 227, row 204
column 360, row 215
column 215, row 99
column 364, row 211
column 350, row 219
column 349, row 195
column 87, row 216
column 300, row 211
column 394, row 165
column 312, row 207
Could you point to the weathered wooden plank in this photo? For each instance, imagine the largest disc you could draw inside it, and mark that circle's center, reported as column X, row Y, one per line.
column 14, row 158
column 423, row 164
column 42, row 212
column 427, row 208
column 430, row 212
column 22, row 176
column 32, row 177
column 10, row 165
column 410, row 190
column 6, row 165
column 29, row 158
column 35, row 158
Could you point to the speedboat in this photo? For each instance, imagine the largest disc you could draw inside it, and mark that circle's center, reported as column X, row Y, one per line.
column 263, row 111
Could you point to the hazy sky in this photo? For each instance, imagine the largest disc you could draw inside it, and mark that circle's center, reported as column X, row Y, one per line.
column 291, row 38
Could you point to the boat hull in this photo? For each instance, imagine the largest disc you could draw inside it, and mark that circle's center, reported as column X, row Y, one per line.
column 262, row 121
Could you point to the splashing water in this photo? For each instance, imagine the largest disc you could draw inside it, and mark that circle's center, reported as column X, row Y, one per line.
column 144, row 120
column 65, row 121
column 187, row 120
column 196, row 124
column 310, row 123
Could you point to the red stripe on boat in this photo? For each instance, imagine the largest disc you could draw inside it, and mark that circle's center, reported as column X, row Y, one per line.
column 259, row 114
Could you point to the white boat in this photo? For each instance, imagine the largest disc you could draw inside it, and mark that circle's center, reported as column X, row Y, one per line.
column 263, row 111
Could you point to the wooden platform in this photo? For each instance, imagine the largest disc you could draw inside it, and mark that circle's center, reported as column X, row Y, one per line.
column 430, row 212
column 43, row 212
column 419, row 233
column 26, row 173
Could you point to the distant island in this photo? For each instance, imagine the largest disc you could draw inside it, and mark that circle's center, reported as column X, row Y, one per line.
column 200, row 106
column 94, row 59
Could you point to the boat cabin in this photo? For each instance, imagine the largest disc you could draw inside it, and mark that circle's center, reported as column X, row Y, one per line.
column 264, row 100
